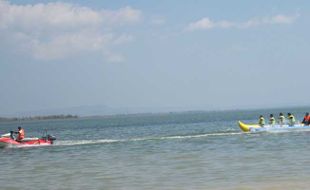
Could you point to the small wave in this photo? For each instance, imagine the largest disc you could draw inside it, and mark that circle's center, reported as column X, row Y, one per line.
column 106, row 141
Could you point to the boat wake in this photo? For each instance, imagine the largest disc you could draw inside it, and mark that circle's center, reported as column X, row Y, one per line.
column 82, row 142
column 108, row 141
column 288, row 130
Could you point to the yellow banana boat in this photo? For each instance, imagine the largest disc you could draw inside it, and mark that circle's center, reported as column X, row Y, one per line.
column 257, row 128
column 247, row 127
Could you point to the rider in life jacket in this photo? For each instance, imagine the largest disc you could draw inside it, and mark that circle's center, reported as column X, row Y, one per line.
column 306, row 120
column 272, row 120
column 291, row 119
column 21, row 134
column 261, row 121
column 281, row 119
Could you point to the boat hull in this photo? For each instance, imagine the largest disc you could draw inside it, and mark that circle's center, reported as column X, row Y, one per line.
column 7, row 142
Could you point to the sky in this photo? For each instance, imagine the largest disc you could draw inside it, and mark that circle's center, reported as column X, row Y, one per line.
column 176, row 54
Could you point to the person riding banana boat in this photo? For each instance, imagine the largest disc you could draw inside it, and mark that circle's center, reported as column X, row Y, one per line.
column 281, row 119
column 261, row 121
column 272, row 120
column 291, row 119
column 306, row 120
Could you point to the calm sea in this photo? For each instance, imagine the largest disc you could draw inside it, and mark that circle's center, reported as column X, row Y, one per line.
column 175, row 151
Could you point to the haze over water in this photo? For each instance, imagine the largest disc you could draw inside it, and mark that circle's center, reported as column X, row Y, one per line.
column 192, row 150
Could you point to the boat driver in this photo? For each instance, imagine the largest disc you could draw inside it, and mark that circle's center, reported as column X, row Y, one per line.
column 20, row 134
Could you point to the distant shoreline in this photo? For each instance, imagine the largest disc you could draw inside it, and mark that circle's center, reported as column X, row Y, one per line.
column 152, row 114
column 32, row 118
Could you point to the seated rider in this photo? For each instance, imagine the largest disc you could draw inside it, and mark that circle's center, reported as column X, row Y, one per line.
column 281, row 119
column 306, row 120
column 261, row 121
column 21, row 134
column 291, row 119
column 272, row 120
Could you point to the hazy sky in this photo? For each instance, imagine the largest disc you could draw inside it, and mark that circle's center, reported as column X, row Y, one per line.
column 196, row 54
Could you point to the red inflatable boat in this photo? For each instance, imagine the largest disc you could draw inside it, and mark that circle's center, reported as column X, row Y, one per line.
column 7, row 141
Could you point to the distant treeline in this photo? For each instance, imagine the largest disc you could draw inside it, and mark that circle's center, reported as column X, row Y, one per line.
column 38, row 117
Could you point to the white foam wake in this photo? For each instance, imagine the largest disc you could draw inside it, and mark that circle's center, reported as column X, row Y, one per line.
column 106, row 141
column 82, row 142
column 201, row 135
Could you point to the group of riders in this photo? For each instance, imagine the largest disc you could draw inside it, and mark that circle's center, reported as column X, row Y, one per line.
column 290, row 120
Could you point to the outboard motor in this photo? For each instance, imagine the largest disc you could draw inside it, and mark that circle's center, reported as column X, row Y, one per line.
column 49, row 138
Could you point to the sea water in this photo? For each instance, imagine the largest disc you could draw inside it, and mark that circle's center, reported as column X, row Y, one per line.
column 175, row 151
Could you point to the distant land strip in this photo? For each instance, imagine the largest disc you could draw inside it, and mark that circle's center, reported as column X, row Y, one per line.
column 69, row 116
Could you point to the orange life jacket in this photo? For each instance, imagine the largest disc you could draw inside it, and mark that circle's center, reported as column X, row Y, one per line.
column 21, row 134
column 307, row 118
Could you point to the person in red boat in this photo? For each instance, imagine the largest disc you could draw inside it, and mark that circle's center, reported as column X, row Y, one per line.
column 20, row 134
